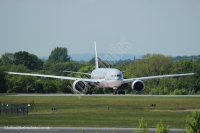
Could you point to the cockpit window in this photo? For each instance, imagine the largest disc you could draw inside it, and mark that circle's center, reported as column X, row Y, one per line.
column 118, row 75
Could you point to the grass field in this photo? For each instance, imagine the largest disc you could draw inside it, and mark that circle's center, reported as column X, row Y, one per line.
column 91, row 111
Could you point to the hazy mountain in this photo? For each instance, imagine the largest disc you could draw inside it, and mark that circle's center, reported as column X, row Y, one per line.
column 192, row 57
column 116, row 57
column 103, row 56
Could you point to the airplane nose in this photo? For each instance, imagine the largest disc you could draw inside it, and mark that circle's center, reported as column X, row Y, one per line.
column 118, row 78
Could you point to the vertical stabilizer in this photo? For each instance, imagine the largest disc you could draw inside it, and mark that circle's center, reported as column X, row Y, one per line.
column 96, row 58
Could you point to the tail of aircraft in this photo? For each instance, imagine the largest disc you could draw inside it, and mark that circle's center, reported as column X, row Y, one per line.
column 96, row 58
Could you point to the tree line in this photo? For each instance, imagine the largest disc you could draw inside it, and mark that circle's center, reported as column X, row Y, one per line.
column 59, row 60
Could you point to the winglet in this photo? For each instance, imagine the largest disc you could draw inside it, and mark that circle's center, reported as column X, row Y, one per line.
column 96, row 58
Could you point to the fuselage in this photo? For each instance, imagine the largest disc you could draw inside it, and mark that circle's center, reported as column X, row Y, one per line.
column 108, row 77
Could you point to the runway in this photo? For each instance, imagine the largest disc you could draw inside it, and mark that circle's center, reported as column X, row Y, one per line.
column 110, row 95
column 76, row 130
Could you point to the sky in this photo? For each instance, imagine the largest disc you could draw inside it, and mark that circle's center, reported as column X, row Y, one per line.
column 168, row 27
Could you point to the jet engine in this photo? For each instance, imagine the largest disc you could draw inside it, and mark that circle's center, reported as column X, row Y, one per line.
column 79, row 86
column 137, row 86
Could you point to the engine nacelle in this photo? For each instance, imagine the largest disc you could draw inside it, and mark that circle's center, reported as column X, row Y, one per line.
column 79, row 86
column 137, row 86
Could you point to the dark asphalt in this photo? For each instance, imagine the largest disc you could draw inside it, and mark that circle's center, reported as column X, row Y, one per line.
column 77, row 130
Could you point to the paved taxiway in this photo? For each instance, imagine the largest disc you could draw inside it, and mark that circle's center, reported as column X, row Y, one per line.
column 76, row 130
column 83, row 95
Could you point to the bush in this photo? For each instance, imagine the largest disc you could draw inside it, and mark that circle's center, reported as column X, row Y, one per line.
column 193, row 123
column 159, row 91
column 198, row 92
column 180, row 92
column 142, row 128
column 191, row 92
column 161, row 129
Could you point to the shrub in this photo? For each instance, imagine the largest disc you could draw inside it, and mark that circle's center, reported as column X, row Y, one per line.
column 159, row 91
column 142, row 128
column 193, row 123
column 161, row 129
column 180, row 92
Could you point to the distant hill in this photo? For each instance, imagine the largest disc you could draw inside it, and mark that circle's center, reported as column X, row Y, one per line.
column 104, row 56
column 117, row 57
column 192, row 57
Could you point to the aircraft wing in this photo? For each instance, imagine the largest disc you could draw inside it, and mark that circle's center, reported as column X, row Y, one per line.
column 155, row 77
column 77, row 72
column 53, row 76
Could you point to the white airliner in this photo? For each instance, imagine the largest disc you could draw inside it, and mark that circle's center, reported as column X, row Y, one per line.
column 104, row 78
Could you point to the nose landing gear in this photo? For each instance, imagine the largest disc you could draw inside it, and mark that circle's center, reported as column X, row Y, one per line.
column 119, row 92
column 114, row 91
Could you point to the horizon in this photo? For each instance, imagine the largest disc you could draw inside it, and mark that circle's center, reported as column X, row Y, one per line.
column 89, row 56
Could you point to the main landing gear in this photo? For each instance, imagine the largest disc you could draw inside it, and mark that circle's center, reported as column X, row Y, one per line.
column 120, row 92
column 88, row 92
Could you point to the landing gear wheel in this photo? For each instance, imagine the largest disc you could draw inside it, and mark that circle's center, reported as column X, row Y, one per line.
column 88, row 92
column 121, row 92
